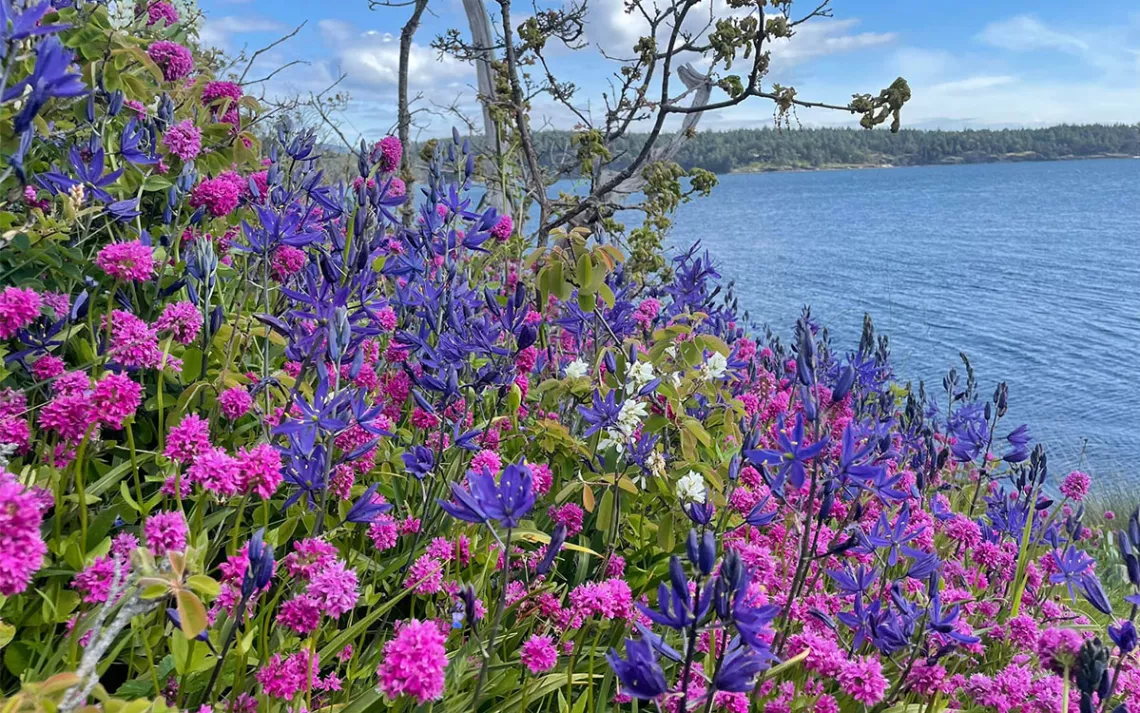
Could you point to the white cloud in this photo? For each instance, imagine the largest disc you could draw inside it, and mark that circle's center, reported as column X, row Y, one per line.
column 973, row 84
column 372, row 58
column 218, row 32
column 1024, row 33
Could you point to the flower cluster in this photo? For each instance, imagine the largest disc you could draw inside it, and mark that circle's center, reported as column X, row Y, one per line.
column 503, row 479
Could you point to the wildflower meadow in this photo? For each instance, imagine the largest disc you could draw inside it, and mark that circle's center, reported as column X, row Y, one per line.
column 277, row 442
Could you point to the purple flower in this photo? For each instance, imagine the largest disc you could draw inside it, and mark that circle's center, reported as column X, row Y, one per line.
column 50, row 78
column 793, row 454
column 639, row 673
column 507, row 501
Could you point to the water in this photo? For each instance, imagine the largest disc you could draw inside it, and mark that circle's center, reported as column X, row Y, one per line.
column 1032, row 269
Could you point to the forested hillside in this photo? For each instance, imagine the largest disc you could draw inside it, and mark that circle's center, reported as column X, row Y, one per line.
column 772, row 149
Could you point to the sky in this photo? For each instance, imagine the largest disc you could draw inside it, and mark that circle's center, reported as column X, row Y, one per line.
column 1011, row 63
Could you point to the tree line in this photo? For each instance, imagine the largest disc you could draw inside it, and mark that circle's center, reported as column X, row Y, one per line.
column 782, row 149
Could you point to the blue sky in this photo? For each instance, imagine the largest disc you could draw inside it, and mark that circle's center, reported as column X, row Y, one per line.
column 1007, row 63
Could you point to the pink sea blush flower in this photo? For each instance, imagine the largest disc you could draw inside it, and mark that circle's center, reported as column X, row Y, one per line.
column 300, row 614
column 19, row 307
column 187, row 440
column 542, row 476
column 184, row 140
column 173, row 59
column 216, row 471
column 94, row 582
column 486, row 460
column 57, row 302
column 165, row 532
column 285, row 679
column 387, row 152
column 235, row 402
column 538, row 654
column 287, row 261
column 334, row 588
column 134, row 343
column 182, row 319
column 384, row 532
column 22, row 549
column 218, row 195
column 1075, row 486
column 386, row 319
column 160, row 11
column 309, row 556
column 47, row 367
column 863, row 680
column 503, row 229
column 260, row 470
column 70, row 415
column 414, row 662
column 570, row 515
column 116, row 398
column 425, row 576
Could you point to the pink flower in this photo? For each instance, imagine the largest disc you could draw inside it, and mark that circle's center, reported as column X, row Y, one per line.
column 22, row 549
column 543, row 478
column 235, row 402
column 414, row 662
column 863, row 680
column 1075, row 486
column 387, row 152
column 165, row 532
column 173, row 59
column 570, row 515
column 47, row 367
column 386, row 319
column 334, row 589
column 285, row 679
column 488, row 460
column 260, row 469
column 217, row 93
column 503, row 229
column 69, row 414
column 216, row 471
column 300, row 614
column 19, row 307
column 384, row 532
column 115, row 399
column 184, row 140
column 134, row 343
column 309, row 557
column 182, row 320
column 425, row 576
column 161, row 11
column 188, row 439
column 538, row 654
column 287, row 260
column 218, row 195
column 94, row 583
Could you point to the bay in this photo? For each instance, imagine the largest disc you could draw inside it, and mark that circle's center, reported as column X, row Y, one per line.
column 1031, row 269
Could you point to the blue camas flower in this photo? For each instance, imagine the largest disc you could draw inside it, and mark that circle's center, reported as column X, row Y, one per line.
column 51, row 77
column 792, row 456
column 507, row 501
column 640, row 674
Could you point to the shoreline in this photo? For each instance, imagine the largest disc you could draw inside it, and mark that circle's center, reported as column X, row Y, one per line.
column 955, row 161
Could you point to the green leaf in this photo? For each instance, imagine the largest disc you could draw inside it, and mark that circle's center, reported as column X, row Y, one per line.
column 193, row 614
column 156, row 183
column 606, row 511
column 206, row 586
column 584, row 271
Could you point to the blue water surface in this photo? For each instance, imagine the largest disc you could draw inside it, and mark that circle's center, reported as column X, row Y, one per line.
column 1032, row 269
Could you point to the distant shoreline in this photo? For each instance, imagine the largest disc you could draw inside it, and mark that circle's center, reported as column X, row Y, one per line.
column 948, row 161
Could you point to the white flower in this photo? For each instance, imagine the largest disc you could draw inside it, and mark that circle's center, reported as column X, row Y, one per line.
column 715, row 367
column 577, row 369
column 630, row 416
column 691, row 488
column 641, row 373
column 656, row 463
